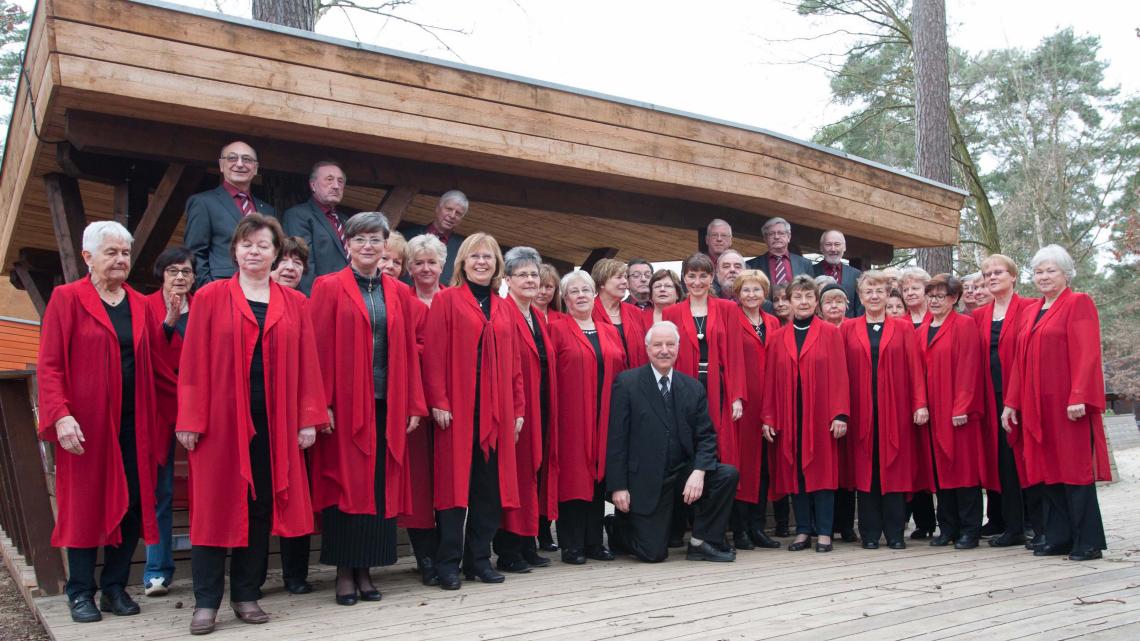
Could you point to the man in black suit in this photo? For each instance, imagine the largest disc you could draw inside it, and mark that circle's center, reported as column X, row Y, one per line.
column 779, row 263
column 832, row 244
column 449, row 212
column 320, row 224
column 660, row 435
column 211, row 216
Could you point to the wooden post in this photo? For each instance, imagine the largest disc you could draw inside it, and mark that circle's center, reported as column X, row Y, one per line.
column 68, row 219
column 162, row 214
column 596, row 254
column 130, row 203
column 395, row 203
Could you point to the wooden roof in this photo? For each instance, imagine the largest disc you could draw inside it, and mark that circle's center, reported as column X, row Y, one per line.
column 563, row 170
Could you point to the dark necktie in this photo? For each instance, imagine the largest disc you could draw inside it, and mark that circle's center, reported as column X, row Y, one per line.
column 781, row 271
column 245, row 203
column 665, row 392
column 334, row 220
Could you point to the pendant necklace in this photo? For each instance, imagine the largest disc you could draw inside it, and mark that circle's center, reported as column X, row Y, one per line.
column 700, row 327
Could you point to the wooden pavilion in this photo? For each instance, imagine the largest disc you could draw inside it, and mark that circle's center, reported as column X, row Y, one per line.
column 123, row 106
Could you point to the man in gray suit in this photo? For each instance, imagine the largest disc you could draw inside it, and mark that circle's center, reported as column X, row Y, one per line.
column 320, row 224
column 211, row 216
column 833, row 244
column 449, row 212
column 779, row 263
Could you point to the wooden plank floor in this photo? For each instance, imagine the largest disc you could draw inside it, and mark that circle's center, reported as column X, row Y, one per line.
column 921, row 593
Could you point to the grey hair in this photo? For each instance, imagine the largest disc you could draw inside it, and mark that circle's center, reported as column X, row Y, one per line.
column 455, row 195
column 666, row 324
column 367, row 222
column 823, row 280
column 97, row 233
column 726, row 253
column 772, row 222
column 321, row 164
column 718, row 222
column 1048, row 254
column 970, row 277
column 582, row 274
column 823, row 236
column 517, row 257
column 425, row 243
column 914, row 273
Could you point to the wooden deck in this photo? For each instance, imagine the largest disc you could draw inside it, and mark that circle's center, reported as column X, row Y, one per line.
column 918, row 593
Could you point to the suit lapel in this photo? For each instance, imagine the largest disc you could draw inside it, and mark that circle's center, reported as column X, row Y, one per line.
column 652, row 392
column 227, row 203
column 323, row 221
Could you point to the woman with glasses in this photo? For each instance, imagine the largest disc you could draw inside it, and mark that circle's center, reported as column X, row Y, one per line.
column 664, row 292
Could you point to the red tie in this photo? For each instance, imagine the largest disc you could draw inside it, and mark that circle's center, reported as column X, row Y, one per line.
column 334, row 220
column 836, row 272
column 245, row 203
column 781, row 271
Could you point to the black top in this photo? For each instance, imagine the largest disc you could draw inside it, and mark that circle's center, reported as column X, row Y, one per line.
column 760, row 332
column 995, row 362
column 482, row 294
column 543, row 367
column 179, row 326
column 1039, row 315
column 596, row 342
column 120, row 316
column 257, row 365
column 875, row 338
column 918, row 324
column 702, row 325
column 372, row 291
column 931, row 333
column 801, row 334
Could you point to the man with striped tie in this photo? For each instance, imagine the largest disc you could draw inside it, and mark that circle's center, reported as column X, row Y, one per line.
column 211, row 216
column 320, row 223
column 779, row 264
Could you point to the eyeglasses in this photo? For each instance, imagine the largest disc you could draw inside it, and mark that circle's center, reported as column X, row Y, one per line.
column 174, row 271
column 374, row 241
column 936, row 297
column 233, row 158
column 995, row 272
column 524, row 275
column 778, row 233
column 720, row 235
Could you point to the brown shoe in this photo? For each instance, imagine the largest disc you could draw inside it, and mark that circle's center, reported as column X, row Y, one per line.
column 203, row 621
column 249, row 612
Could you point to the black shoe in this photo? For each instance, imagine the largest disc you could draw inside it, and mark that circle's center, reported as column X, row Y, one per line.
column 870, row 545
column 992, row 528
column 741, row 541
column 120, row 603
column 534, row 560
column 966, row 543
column 796, row 546
column 848, row 536
column 484, row 575
column 427, row 572
column 1037, row 541
column 346, row 599
column 897, row 545
column 1006, row 540
column 782, row 531
column 599, row 553
column 678, row 542
column 1087, row 555
column 370, row 595
column 761, row 540
column 548, row 547
column 515, row 566
column 707, row 552
column 574, row 557
column 83, row 610
column 942, row 540
column 1049, row 549
column 920, row 535
column 823, row 547
column 300, row 586
column 449, row 580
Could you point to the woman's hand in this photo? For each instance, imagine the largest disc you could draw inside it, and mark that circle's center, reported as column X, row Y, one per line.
column 737, row 409
column 518, row 428
column 838, row 428
column 188, row 440
column 173, row 309
column 1075, row 412
column 921, row 416
column 442, row 417
column 1008, row 419
column 69, row 435
column 413, row 423
column 769, row 433
column 328, row 429
column 306, row 436
column 959, row 421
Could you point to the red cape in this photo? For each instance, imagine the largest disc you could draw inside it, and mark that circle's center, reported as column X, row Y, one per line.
column 632, row 333
column 823, row 375
column 580, row 461
column 79, row 375
column 421, row 511
column 1011, row 329
column 213, row 400
column 750, row 437
column 1059, row 364
column 535, row 495
column 953, row 379
column 726, row 370
column 904, row 448
column 455, row 326
column 344, row 462
column 170, row 352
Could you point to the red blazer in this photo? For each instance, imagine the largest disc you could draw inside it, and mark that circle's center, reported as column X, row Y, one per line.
column 344, row 462
column 953, row 377
column 726, row 372
column 904, row 448
column 580, row 461
column 213, row 400
column 455, row 327
column 632, row 333
column 750, row 437
column 421, row 511
column 79, row 375
column 1058, row 364
column 1011, row 329
column 823, row 375
column 535, row 496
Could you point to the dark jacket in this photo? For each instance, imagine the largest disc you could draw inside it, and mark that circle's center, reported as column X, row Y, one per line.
column 850, row 276
column 326, row 253
column 636, row 450
column 800, row 265
column 211, row 217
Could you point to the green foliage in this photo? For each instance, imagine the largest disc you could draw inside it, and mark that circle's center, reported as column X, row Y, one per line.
column 13, row 35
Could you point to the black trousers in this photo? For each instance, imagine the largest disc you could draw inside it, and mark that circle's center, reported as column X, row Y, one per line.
column 960, row 512
column 1011, row 499
column 922, row 507
column 247, row 565
column 1035, row 507
column 295, row 558
column 844, row 511
column 1072, row 518
column 471, row 543
column 425, row 542
column 646, row 536
column 580, row 522
column 544, row 535
column 510, row 546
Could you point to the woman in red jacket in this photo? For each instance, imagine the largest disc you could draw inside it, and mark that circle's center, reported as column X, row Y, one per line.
column 474, row 389
column 371, row 376
column 249, row 400
column 104, row 396
column 589, row 354
column 890, row 456
column 756, row 329
column 1053, row 408
column 952, row 355
column 1000, row 324
column 805, row 410
column 613, row 285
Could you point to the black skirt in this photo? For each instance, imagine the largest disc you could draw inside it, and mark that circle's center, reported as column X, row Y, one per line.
column 361, row 540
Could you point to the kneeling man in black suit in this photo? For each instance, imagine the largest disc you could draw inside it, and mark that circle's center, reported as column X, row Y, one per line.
column 660, row 435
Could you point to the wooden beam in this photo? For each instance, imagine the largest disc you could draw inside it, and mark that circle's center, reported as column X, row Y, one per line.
column 130, row 203
column 106, row 169
column 68, row 219
column 22, row 277
column 562, row 266
column 37, row 272
column 162, row 215
column 597, row 254
column 395, row 203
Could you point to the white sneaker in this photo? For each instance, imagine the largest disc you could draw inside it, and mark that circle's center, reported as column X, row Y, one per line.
column 155, row 587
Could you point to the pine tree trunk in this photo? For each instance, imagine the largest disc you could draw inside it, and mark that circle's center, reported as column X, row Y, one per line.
column 932, row 110
column 299, row 14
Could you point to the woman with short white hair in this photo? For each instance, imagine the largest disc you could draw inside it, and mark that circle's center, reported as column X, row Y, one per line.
column 424, row 258
column 1053, row 408
column 912, row 284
